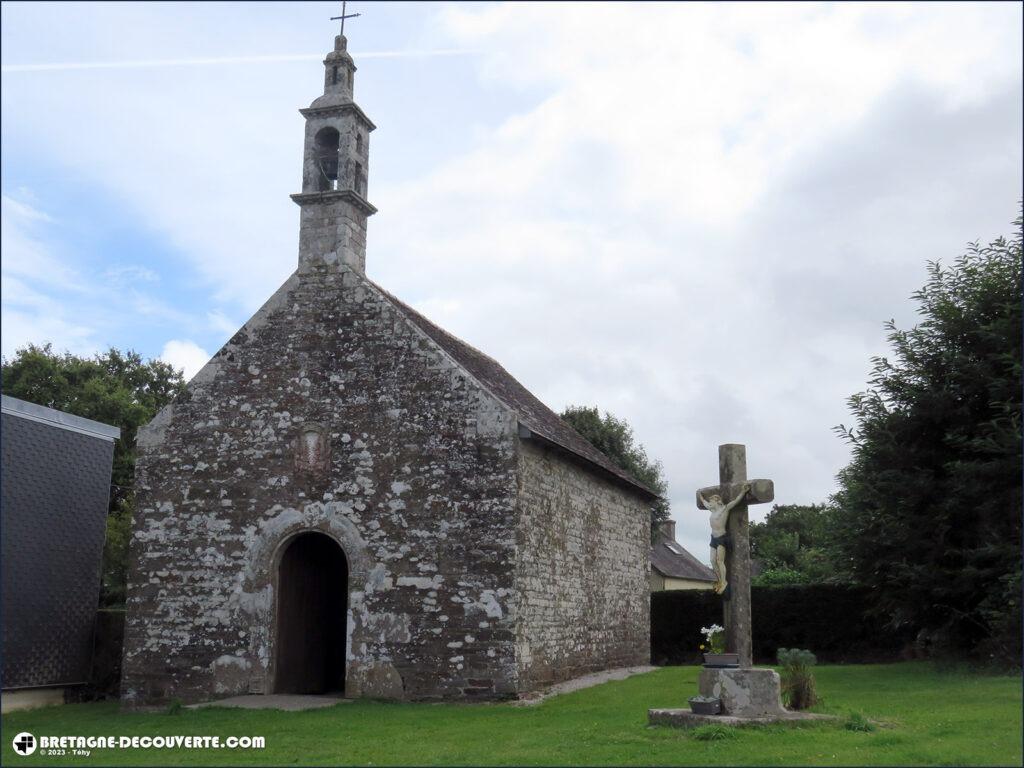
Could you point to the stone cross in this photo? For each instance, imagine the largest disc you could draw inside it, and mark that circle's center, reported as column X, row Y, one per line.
column 732, row 474
column 344, row 16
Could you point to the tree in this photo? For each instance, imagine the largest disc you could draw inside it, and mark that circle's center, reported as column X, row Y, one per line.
column 794, row 545
column 614, row 438
column 114, row 388
column 930, row 505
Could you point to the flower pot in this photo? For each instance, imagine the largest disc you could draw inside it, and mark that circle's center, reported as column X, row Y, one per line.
column 721, row 660
column 700, row 705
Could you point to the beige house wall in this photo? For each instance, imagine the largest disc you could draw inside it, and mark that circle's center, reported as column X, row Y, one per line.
column 661, row 583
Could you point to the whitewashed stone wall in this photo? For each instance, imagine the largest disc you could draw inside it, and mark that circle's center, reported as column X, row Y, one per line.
column 582, row 571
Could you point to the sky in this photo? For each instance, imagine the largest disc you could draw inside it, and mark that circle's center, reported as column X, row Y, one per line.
column 695, row 216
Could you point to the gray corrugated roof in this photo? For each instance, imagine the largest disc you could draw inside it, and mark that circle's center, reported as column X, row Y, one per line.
column 532, row 412
column 678, row 566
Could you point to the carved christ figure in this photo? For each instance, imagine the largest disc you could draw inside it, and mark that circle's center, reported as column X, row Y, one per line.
column 719, row 520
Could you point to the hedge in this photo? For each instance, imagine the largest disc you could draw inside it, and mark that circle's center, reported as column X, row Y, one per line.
column 106, row 656
column 828, row 619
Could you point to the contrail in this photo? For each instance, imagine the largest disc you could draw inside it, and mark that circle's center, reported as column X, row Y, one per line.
column 63, row 66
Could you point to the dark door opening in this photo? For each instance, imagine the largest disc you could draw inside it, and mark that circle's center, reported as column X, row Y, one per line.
column 312, row 601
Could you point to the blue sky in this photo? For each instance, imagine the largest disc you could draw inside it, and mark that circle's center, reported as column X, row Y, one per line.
column 697, row 216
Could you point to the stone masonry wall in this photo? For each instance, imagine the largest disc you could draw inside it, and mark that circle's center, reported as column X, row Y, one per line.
column 332, row 233
column 416, row 481
column 582, row 571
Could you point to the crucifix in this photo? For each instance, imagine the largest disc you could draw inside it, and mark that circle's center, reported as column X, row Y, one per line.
column 730, row 541
column 344, row 16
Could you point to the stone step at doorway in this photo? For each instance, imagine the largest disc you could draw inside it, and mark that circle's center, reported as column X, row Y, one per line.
column 288, row 702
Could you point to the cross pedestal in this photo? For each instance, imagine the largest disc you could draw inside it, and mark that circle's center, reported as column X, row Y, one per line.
column 732, row 474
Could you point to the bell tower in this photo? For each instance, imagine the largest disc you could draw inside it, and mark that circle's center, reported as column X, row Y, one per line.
column 335, row 168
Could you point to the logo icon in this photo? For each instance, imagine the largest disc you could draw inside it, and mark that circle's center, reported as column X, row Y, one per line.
column 24, row 744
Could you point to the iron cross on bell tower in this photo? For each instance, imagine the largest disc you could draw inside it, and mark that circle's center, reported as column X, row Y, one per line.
column 344, row 16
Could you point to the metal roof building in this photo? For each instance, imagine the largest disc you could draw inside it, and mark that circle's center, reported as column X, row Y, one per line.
column 56, row 488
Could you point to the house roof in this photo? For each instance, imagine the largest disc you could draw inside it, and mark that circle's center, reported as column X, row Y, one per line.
column 671, row 559
column 532, row 413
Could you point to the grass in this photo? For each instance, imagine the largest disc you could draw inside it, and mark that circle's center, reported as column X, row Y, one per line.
column 920, row 717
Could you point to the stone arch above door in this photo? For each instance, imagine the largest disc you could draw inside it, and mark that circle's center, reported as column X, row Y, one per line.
column 268, row 542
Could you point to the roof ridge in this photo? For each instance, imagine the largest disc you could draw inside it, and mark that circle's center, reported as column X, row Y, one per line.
column 449, row 334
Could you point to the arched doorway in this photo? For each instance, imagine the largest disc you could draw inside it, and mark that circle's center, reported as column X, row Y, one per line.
column 312, row 603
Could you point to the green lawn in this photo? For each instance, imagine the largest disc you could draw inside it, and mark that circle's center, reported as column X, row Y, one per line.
column 924, row 717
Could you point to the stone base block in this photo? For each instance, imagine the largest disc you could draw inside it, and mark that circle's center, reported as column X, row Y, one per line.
column 684, row 718
column 745, row 692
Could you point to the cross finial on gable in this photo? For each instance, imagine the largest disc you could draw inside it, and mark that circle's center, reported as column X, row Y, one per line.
column 344, row 16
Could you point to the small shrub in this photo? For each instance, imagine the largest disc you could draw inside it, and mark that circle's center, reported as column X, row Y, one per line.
column 780, row 577
column 798, row 689
column 713, row 733
column 857, row 722
column 174, row 708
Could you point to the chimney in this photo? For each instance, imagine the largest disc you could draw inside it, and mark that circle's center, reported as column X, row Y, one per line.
column 667, row 530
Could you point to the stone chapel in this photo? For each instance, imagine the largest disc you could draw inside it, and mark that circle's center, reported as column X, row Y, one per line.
column 349, row 499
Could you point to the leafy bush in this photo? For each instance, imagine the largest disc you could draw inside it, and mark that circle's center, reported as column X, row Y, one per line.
column 857, row 722
column 929, row 506
column 798, row 690
column 781, row 576
column 795, row 545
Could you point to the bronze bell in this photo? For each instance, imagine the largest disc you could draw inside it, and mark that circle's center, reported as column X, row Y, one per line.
column 329, row 166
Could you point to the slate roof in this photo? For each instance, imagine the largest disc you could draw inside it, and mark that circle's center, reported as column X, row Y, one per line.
column 532, row 413
column 678, row 565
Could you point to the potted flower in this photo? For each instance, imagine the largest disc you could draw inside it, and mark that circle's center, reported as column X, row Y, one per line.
column 714, row 648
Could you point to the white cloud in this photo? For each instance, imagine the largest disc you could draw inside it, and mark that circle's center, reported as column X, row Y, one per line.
column 127, row 274
column 22, row 210
column 26, row 252
column 185, row 354
column 29, row 274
